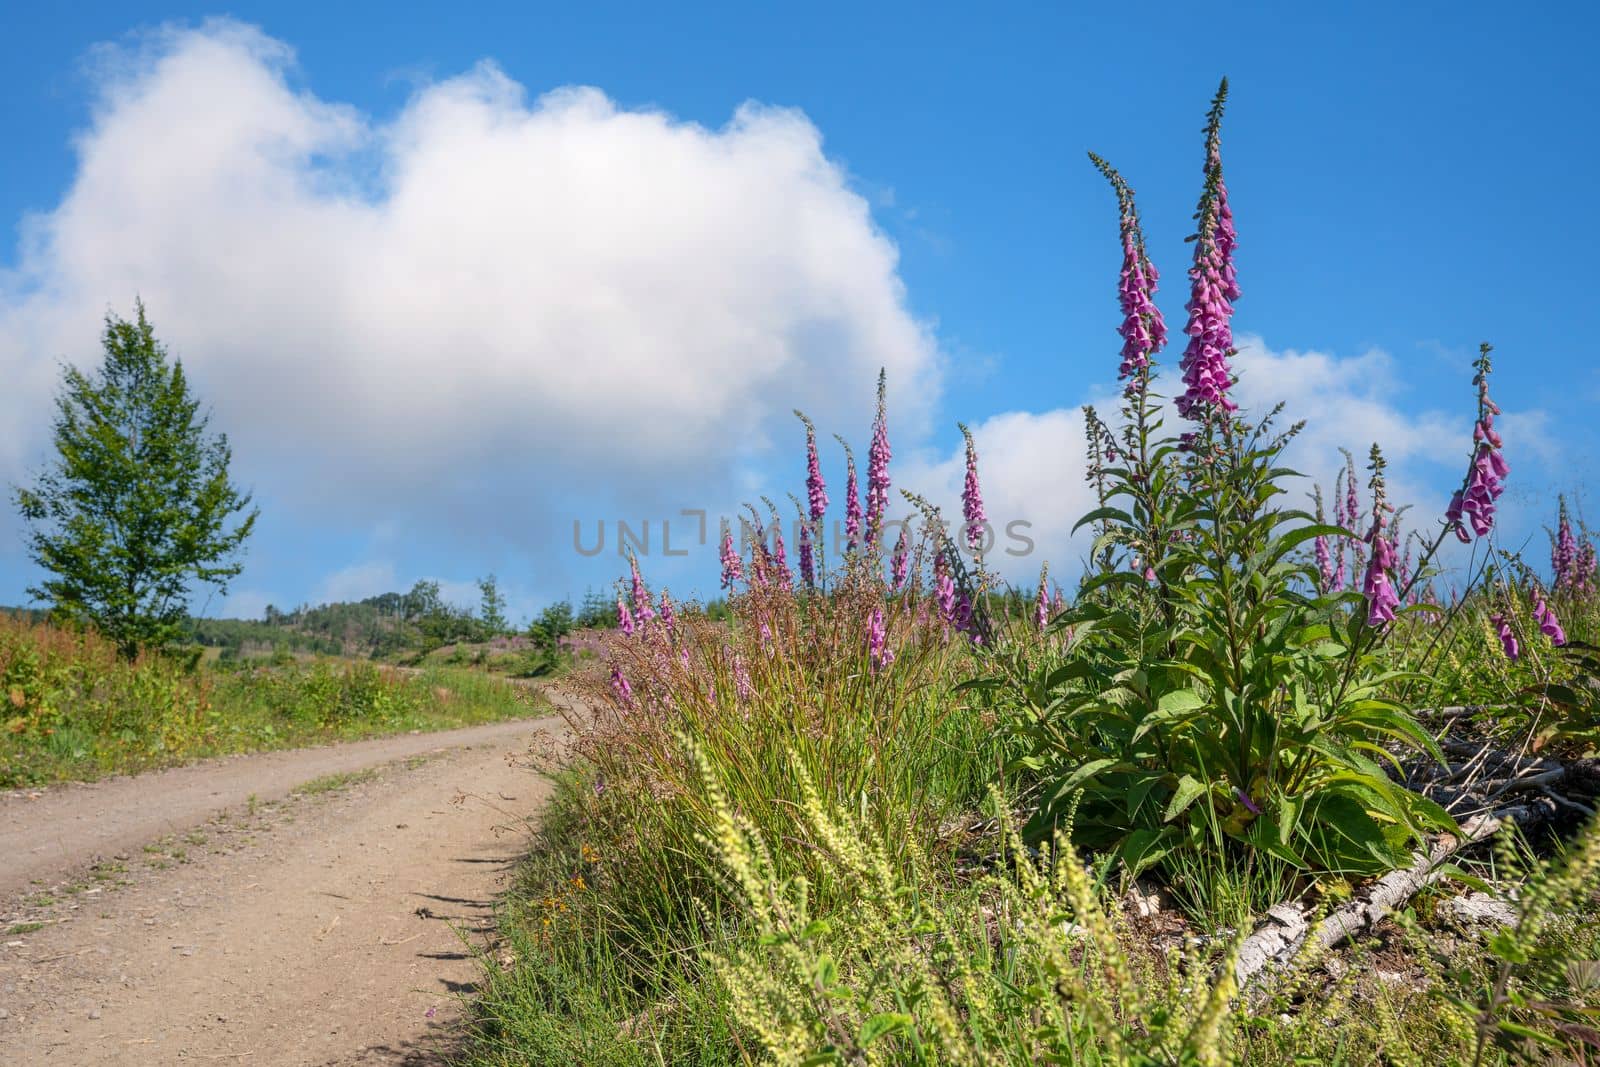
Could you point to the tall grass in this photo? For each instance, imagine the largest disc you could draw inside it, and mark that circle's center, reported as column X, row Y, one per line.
column 72, row 708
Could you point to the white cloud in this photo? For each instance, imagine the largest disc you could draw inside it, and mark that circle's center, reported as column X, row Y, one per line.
column 356, row 582
column 468, row 313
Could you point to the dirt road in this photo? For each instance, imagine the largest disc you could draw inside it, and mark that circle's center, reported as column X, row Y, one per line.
column 219, row 913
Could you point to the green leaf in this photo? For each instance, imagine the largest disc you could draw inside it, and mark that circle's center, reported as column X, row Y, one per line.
column 888, row 1022
column 1189, row 790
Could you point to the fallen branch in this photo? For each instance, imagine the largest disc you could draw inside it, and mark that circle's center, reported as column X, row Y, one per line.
column 1286, row 931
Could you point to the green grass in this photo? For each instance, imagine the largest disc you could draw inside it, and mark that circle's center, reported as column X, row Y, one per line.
column 333, row 783
column 71, row 710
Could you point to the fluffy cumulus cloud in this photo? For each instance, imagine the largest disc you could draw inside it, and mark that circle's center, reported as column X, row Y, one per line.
column 465, row 314
column 1032, row 465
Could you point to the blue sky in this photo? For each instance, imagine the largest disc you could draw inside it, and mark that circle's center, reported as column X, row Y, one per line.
column 1407, row 183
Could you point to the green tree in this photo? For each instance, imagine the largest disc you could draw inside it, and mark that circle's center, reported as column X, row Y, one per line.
column 492, row 609
column 137, row 505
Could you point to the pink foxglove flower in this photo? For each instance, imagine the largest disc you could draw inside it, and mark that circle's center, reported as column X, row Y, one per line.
column 620, row 686
column 944, row 588
column 816, row 488
column 852, row 499
column 878, row 456
column 669, row 617
column 1207, row 376
column 808, row 563
column 1486, row 477
column 1564, row 551
column 624, row 617
column 1548, row 624
column 1143, row 331
column 1508, row 640
column 642, row 610
column 732, row 568
column 900, row 560
column 743, row 690
column 878, row 650
column 1380, row 594
column 1041, row 601
column 780, row 559
column 972, row 498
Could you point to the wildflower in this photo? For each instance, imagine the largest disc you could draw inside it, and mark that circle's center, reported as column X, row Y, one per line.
column 669, row 617
column 1508, row 640
column 878, row 456
column 1244, row 798
column 1486, row 476
column 1058, row 604
column 816, row 488
column 808, row 566
column 1585, row 569
column 1321, row 551
column 780, row 559
column 1380, row 594
column 878, row 650
column 641, row 596
column 1041, row 602
column 1213, row 288
column 624, row 617
column 743, row 689
column 624, row 691
column 852, row 500
column 972, row 497
column 732, row 569
column 1548, row 624
column 1564, row 551
column 1143, row 331
column 944, row 588
column 900, row 560
column 1452, row 518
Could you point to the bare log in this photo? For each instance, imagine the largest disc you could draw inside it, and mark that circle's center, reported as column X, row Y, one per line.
column 1286, row 931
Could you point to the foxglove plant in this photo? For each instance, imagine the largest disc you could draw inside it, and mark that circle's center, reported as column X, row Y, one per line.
column 779, row 560
column 1486, row 478
column 732, row 567
column 1327, row 576
column 816, row 488
column 972, row 497
column 878, row 456
column 944, row 588
column 1549, row 625
column 1376, row 586
column 900, row 560
column 624, row 617
column 620, row 686
column 642, row 610
column 878, row 650
column 1207, row 377
column 803, row 546
column 1143, row 330
column 852, row 498
column 1564, row 551
column 1041, row 600
column 669, row 616
column 1508, row 640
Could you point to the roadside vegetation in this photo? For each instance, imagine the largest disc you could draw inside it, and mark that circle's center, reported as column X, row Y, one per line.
column 75, row 708
column 1272, row 785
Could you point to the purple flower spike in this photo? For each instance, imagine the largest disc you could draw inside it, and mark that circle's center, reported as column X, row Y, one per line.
column 641, row 595
column 669, row 617
column 732, row 568
column 816, row 488
column 1207, row 377
column 624, row 617
column 878, row 650
column 1381, row 598
column 878, row 456
column 808, row 565
column 1486, row 476
column 1041, row 601
column 620, row 686
column 944, row 589
column 1244, row 798
column 900, row 560
column 1508, row 640
column 972, row 498
column 1564, row 552
column 1548, row 624
column 852, row 499
column 780, row 559
column 1143, row 331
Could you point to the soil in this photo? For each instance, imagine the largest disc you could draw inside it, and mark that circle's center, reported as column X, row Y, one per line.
column 218, row 913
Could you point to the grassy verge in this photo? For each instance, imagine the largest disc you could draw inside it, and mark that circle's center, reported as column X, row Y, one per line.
column 71, row 710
